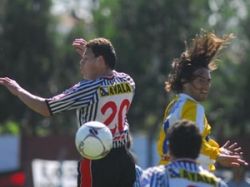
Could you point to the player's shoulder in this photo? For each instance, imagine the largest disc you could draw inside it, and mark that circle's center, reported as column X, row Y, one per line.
column 216, row 180
column 119, row 73
column 186, row 98
column 188, row 102
column 122, row 75
column 156, row 170
column 153, row 176
column 86, row 83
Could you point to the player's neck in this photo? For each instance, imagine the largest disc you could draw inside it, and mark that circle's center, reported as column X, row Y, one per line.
column 107, row 73
column 183, row 159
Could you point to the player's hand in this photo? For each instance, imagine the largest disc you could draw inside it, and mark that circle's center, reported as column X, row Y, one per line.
column 80, row 46
column 10, row 84
column 231, row 160
column 231, row 149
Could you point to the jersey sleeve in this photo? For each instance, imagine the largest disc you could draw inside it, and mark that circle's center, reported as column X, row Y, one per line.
column 210, row 148
column 75, row 97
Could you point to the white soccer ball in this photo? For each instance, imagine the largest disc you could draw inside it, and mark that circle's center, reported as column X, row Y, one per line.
column 93, row 140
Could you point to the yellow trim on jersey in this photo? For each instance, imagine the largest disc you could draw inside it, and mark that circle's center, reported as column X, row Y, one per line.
column 184, row 107
column 115, row 89
column 203, row 177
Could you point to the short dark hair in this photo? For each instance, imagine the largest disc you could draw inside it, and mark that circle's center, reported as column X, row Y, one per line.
column 103, row 47
column 201, row 53
column 184, row 139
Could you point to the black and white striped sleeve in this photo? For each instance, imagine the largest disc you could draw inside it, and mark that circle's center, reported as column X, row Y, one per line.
column 78, row 96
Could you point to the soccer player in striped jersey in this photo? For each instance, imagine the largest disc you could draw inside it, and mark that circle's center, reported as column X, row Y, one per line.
column 190, row 79
column 185, row 142
column 103, row 95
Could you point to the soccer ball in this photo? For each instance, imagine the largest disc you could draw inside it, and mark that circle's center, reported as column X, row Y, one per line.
column 93, row 140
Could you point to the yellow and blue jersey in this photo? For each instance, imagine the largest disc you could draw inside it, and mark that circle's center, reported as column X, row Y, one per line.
column 183, row 106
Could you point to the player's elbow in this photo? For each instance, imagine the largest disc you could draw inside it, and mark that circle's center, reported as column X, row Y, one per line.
column 46, row 114
column 44, row 111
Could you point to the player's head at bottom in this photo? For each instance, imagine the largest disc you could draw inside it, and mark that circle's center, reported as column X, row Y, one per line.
column 184, row 140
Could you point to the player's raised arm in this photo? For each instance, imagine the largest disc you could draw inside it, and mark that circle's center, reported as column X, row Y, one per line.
column 34, row 102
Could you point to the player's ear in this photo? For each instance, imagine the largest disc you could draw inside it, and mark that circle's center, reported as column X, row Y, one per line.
column 101, row 60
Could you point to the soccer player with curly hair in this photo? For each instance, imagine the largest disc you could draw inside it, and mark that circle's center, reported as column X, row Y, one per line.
column 190, row 80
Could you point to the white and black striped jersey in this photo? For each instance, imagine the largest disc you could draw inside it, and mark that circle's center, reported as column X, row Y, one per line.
column 180, row 173
column 106, row 99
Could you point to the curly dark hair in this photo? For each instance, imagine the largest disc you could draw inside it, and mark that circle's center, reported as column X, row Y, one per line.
column 200, row 54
